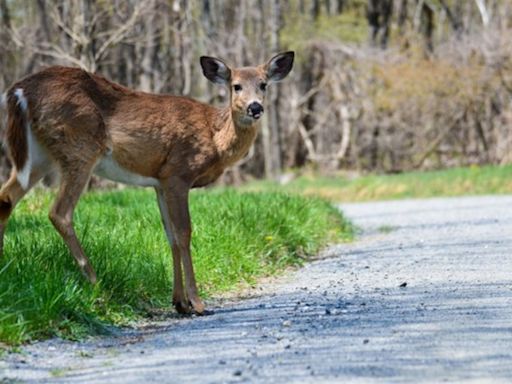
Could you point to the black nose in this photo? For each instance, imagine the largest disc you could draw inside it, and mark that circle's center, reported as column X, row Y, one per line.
column 255, row 110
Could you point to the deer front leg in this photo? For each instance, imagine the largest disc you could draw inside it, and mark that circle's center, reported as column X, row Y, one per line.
column 179, row 299
column 176, row 197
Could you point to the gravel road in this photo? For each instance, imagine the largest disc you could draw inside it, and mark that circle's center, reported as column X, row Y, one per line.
column 424, row 295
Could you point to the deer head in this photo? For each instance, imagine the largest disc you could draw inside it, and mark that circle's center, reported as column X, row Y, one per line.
column 247, row 86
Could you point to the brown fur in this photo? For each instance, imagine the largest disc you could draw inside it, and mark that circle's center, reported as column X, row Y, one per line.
column 16, row 133
column 78, row 117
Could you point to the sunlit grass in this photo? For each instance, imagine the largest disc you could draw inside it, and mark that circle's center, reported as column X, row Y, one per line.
column 237, row 238
column 451, row 182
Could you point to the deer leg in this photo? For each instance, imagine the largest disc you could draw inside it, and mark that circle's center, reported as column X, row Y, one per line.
column 61, row 215
column 179, row 299
column 10, row 194
column 176, row 197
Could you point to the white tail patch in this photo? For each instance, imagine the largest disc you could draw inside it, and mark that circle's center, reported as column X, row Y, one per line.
column 23, row 174
column 37, row 158
column 21, row 99
column 35, row 153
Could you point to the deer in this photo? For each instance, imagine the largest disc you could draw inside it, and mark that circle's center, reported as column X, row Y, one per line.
column 74, row 123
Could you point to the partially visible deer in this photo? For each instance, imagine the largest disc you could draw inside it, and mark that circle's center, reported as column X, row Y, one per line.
column 77, row 123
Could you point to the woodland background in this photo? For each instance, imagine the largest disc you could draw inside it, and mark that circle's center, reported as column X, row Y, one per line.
column 378, row 85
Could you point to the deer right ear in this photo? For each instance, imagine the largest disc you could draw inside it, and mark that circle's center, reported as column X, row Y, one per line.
column 215, row 70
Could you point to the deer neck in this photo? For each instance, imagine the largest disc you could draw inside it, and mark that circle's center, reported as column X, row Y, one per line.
column 234, row 138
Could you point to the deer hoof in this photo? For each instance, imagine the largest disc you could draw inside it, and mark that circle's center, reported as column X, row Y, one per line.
column 198, row 306
column 90, row 275
column 181, row 308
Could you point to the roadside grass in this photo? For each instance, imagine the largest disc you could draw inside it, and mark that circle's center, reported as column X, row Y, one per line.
column 237, row 238
column 451, row 182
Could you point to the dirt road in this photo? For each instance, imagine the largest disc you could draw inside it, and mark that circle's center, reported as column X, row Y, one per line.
column 424, row 295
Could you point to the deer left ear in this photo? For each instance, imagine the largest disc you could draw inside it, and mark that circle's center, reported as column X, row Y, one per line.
column 279, row 66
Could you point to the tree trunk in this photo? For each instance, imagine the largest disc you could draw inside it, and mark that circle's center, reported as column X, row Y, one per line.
column 378, row 14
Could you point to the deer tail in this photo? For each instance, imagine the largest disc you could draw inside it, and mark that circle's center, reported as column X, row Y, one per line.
column 16, row 135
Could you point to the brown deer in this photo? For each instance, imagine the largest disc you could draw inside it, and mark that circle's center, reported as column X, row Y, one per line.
column 76, row 123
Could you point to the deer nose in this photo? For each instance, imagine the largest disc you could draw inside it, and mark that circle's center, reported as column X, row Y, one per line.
column 255, row 110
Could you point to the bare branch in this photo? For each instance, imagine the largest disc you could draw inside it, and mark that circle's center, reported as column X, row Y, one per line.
column 484, row 13
column 55, row 16
column 118, row 35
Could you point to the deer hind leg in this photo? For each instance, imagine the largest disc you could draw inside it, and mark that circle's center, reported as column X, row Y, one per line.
column 22, row 180
column 179, row 298
column 10, row 194
column 73, row 182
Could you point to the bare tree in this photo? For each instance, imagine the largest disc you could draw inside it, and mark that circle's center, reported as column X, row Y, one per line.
column 345, row 106
column 379, row 18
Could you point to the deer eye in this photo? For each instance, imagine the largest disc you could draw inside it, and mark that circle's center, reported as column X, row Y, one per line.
column 237, row 87
column 263, row 86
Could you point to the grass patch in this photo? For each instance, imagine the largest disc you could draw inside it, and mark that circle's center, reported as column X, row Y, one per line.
column 59, row 372
column 451, row 182
column 386, row 229
column 238, row 237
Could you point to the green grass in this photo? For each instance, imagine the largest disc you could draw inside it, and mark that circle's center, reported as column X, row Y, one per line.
column 237, row 238
column 451, row 182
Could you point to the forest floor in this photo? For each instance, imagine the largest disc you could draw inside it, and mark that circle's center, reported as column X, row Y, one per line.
column 424, row 295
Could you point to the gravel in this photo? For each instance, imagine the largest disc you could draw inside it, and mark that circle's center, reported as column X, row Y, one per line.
column 423, row 295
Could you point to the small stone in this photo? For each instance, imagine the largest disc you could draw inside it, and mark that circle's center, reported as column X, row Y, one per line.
column 287, row 323
column 238, row 372
column 403, row 285
column 366, row 341
column 222, row 362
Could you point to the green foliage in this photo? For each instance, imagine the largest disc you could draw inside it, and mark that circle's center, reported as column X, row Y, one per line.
column 237, row 237
column 350, row 26
column 451, row 182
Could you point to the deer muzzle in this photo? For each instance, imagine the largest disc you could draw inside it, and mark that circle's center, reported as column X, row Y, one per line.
column 255, row 110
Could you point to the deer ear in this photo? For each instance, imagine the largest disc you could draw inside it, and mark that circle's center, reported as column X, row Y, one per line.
column 215, row 70
column 279, row 66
